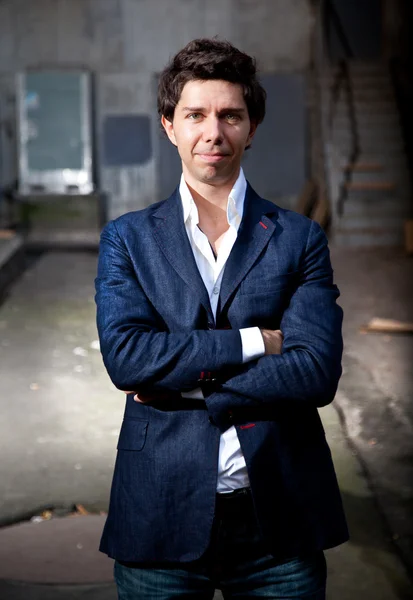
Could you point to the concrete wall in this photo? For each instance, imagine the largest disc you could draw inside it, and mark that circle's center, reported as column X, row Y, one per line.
column 126, row 42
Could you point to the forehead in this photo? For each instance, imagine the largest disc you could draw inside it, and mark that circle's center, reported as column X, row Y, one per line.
column 212, row 93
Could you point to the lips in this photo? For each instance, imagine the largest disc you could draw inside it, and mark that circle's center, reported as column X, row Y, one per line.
column 211, row 157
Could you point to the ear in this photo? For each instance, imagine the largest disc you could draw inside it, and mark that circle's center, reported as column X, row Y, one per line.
column 169, row 128
column 253, row 129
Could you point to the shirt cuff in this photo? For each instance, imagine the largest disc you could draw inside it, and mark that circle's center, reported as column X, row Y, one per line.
column 252, row 343
column 196, row 394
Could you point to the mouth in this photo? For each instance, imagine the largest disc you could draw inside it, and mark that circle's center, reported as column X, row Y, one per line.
column 212, row 157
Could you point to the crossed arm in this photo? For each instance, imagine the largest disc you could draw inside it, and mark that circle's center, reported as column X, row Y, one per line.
column 140, row 355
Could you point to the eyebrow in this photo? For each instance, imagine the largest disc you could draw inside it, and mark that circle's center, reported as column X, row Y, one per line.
column 232, row 109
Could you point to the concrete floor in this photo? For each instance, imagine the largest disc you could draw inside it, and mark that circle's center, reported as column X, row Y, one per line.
column 61, row 416
column 375, row 396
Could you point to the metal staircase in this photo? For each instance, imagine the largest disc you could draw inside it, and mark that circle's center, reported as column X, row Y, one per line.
column 361, row 185
column 375, row 188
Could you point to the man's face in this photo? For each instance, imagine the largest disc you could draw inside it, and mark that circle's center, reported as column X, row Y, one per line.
column 211, row 129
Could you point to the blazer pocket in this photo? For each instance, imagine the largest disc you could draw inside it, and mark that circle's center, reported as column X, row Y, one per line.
column 132, row 434
column 268, row 285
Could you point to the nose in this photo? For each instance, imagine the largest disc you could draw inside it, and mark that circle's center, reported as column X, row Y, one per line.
column 212, row 132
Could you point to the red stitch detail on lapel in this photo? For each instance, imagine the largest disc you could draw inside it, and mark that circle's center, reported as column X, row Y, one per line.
column 263, row 225
column 247, row 426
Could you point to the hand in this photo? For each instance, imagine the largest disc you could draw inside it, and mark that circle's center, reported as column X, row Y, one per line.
column 273, row 340
column 143, row 398
column 139, row 398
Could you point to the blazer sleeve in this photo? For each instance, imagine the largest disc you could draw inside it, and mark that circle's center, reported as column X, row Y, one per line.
column 309, row 368
column 137, row 349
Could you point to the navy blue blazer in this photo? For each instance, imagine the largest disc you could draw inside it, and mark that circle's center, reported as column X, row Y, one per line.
column 158, row 333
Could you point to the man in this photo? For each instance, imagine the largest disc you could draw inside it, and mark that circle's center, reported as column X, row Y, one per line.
column 218, row 309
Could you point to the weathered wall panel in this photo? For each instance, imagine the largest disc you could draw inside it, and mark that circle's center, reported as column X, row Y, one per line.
column 126, row 42
column 131, row 35
column 35, row 32
column 8, row 141
column 7, row 38
column 75, row 45
column 277, row 32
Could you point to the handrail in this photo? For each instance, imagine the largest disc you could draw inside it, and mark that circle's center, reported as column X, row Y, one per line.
column 320, row 202
column 330, row 180
column 343, row 78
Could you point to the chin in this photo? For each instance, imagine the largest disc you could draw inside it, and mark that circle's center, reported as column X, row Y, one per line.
column 206, row 175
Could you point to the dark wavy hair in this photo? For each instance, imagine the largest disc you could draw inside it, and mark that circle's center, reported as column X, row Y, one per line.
column 204, row 59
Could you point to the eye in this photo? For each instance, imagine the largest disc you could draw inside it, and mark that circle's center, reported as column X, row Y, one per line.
column 232, row 118
column 194, row 116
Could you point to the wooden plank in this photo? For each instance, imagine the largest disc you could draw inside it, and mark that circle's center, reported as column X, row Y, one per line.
column 378, row 186
column 378, row 325
column 363, row 167
column 7, row 234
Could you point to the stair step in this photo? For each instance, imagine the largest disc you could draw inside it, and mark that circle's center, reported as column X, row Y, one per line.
column 389, row 207
column 390, row 161
column 373, row 94
column 375, row 101
column 373, row 97
column 394, row 159
column 357, row 66
column 368, row 237
column 365, row 131
column 374, row 136
column 395, row 163
column 379, row 124
column 400, row 180
column 367, row 177
column 361, row 88
column 386, row 122
column 372, row 197
column 392, row 147
column 361, row 223
column 380, row 186
column 379, row 107
column 369, row 85
column 363, row 167
column 346, row 144
column 358, row 77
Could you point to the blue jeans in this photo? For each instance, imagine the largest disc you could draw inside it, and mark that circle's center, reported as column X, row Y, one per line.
column 236, row 562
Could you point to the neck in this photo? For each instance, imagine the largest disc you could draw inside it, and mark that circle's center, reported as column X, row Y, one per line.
column 209, row 196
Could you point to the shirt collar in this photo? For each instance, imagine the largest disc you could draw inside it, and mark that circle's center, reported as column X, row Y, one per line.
column 235, row 205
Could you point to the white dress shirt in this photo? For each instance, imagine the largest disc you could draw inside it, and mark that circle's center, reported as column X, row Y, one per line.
column 232, row 470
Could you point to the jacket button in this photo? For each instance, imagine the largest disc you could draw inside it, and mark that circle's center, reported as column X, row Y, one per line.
column 230, row 416
column 211, row 420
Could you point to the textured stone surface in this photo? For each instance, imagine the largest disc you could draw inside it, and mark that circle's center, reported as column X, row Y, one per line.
column 61, row 416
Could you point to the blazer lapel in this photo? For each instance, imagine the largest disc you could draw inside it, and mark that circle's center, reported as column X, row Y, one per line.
column 254, row 234
column 170, row 234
